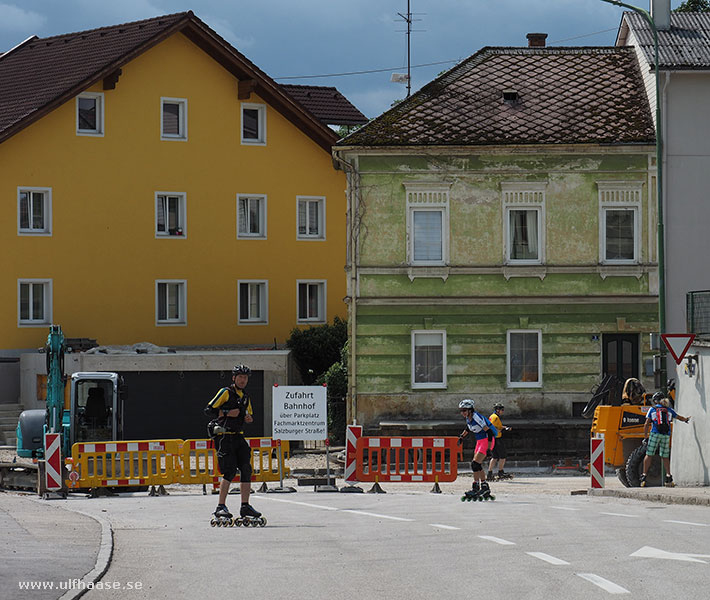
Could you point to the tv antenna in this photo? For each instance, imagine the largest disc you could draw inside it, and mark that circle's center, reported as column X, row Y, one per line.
column 401, row 77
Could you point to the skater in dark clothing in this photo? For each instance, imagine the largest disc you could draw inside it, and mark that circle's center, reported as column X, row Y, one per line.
column 230, row 409
column 480, row 427
column 658, row 421
column 498, row 453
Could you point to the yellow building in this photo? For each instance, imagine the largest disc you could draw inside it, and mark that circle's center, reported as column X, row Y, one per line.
column 157, row 186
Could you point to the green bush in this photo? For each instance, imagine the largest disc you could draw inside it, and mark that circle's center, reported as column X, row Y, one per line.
column 315, row 349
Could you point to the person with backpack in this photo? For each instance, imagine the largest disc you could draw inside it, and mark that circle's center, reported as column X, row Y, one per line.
column 658, row 421
column 480, row 426
column 498, row 453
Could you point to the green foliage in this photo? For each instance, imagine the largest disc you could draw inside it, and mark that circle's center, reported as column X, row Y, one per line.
column 694, row 6
column 315, row 349
column 336, row 378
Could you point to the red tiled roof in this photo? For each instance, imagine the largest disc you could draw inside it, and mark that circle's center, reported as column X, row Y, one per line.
column 42, row 73
column 326, row 103
column 560, row 96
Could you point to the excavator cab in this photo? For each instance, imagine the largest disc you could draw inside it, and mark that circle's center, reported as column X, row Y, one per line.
column 95, row 407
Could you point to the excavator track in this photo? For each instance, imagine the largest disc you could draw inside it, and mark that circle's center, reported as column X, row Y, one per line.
column 18, row 476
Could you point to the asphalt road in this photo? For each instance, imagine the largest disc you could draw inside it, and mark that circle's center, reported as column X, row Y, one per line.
column 405, row 545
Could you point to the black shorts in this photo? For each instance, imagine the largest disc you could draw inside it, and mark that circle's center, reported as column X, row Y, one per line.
column 233, row 454
column 499, row 449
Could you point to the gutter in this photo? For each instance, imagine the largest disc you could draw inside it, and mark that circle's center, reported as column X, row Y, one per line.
column 352, row 210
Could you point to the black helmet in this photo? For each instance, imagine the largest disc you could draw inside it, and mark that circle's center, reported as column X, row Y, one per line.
column 498, row 406
column 241, row 370
column 657, row 397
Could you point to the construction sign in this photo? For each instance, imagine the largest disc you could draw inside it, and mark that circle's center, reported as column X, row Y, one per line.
column 678, row 344
column 53, row 457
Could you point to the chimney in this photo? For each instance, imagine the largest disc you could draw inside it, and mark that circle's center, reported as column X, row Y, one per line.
column 661, row 13
column 537, row 40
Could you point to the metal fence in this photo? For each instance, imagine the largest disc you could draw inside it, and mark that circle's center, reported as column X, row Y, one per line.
column 698, row 312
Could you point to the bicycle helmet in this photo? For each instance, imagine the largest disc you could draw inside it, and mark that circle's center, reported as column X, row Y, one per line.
column 498, row 406
column 657, row 397
column 241, row 370
column 466, row 404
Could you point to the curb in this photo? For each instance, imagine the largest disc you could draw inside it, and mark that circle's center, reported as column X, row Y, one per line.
column 103, row 558
column 652, row 496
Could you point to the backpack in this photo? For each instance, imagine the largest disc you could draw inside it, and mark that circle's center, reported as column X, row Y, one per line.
column 663, row 424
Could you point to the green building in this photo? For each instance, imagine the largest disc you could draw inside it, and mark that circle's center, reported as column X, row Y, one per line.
column 502, row 241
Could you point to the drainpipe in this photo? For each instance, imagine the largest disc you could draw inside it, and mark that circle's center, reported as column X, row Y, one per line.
column 659, row 5
column 352, row 196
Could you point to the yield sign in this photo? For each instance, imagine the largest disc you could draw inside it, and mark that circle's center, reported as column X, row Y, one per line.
column 649, row 552
column 678, row 344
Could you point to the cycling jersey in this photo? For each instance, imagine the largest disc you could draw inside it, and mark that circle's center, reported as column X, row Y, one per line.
column 227, row 399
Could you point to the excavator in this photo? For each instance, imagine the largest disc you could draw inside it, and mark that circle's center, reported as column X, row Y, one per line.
column 84, row 407
column 619, row 414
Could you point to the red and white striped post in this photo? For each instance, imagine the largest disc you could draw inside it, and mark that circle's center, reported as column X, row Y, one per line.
column 596, row 463
column 352, row 434
column 53, row 462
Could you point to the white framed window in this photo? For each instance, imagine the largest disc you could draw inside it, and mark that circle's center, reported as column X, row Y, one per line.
column 251, row 216
column 619, row 222
column 311, row 218
column 524, row 358
column 170, row 215
column 253, row 301
column 428, row 359
column 171, row 302
column 34, row 211
column 173, row 119
column 90, row 114
column 311, row 299
column 524, row 219
column 34, row 302
column 427, row 223
column 253, row 124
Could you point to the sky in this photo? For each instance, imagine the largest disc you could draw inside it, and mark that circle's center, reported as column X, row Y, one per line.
column 292, row 39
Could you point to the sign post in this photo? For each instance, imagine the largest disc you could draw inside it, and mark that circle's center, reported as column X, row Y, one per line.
column 299, row 413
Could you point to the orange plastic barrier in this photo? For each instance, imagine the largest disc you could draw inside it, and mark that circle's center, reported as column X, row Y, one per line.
column 407, row 459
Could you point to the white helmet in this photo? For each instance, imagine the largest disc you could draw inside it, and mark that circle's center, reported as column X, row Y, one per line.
column 466, row 404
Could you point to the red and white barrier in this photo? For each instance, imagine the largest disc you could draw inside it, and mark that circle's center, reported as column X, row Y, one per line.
column 53, row 462
column 352, row 435
column 596, row 463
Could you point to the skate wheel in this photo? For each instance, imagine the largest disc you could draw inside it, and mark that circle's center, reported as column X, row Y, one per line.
column 262, row 522
column 230, row 522
column 213, row 523
column 463, row 498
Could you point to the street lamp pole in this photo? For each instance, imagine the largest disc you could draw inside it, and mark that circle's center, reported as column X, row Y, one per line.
column 659, row 188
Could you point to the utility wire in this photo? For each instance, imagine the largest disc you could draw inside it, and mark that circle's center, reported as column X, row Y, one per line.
column 431, row 64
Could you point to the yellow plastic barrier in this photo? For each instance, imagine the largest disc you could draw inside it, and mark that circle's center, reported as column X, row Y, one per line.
column 122, row 464
column 198, row 461
column 162, row 462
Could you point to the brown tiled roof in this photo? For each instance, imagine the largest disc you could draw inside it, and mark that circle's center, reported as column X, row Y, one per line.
column 559, row 96
column 328, row 105
column 42, row 73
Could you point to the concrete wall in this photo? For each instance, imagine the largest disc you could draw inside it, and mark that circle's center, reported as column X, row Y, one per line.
column 687, row 192
column 690, row 458
column 277, row 366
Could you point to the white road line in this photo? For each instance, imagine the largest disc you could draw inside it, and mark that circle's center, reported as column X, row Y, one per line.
column 369, row 514
column 444, row 526
column 619, row 515
column 490, row 538
column 547, row 558
column 686, row 523
column 564, row 508
column 605, row 584
column 299, row 503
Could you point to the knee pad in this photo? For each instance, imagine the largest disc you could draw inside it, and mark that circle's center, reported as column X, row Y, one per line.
column 476, row 466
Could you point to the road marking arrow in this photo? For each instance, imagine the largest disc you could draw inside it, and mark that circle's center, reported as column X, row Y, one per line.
column 649, row 552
